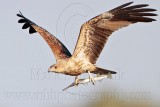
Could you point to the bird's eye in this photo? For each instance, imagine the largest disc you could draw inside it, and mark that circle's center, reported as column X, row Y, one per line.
column 55, row 67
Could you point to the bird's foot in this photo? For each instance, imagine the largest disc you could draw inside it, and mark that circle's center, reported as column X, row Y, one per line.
column 91, row 78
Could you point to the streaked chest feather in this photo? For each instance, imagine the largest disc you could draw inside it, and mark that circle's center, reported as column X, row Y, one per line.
column 77, row 67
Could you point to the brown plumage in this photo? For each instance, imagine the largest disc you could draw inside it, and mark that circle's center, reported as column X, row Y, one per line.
column 59, row 50
column 96, row 31
column 92, row 38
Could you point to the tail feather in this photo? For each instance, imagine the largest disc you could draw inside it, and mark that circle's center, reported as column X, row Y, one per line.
column 102, row 71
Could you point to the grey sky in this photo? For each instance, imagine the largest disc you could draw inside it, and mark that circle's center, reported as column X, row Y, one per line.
column 133, row 51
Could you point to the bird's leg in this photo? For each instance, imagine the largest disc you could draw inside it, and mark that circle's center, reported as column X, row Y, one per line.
column 76, row 80
column 91, row 79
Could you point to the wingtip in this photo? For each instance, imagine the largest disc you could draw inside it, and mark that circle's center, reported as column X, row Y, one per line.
column 154, row 10
column 27, row 23
column 121, row 6
column 145, row 5
column 154, row 20
column 129, row 3
column 20, row 14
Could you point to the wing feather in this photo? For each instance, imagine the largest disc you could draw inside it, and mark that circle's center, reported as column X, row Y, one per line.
column 94, row 33
column 59, row 50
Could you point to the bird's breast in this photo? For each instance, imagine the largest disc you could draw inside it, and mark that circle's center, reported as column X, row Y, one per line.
column 75, row 67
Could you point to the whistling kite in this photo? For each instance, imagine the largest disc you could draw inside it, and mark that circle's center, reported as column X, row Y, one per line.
column 92, row 38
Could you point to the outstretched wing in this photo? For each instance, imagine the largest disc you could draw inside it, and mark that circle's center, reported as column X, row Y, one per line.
column 95, row 32
column 59, row 50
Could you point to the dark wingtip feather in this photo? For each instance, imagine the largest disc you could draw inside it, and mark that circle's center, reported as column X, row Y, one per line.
column 144, row 10
column 148, row 20
column 141, row 19
column 25, row 26
column 32, row 30
column 136, row 6
column 22, row 21
column 121, row 6
column 144, row 14
column 127, row 4
column 19, row 15
column 153, row 19
column 135, row 13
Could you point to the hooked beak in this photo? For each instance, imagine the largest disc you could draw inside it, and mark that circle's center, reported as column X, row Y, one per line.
column 49, row 70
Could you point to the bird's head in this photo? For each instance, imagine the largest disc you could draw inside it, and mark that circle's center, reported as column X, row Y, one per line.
column 57, row 68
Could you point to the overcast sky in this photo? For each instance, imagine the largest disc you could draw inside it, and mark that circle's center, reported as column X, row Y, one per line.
column 24, row 59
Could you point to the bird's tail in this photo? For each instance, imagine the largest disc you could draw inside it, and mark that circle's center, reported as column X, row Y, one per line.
column 102, row 71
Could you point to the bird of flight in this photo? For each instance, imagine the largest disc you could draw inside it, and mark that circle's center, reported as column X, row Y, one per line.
column 92, row 39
